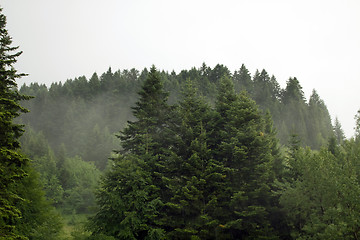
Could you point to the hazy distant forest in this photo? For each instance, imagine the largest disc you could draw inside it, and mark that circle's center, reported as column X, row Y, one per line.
column 205, row 153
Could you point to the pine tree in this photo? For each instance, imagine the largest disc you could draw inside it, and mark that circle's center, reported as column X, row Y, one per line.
column 197, row 179
column 244, row 147
column 145, row 134
column 294, row 110
column 133, row 192
column 242, row 80
column 12, row 163
column 338, row 131
column 319, row 122
column 357, row 125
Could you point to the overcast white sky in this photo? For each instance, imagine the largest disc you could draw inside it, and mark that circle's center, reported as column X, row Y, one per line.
column 317, row 41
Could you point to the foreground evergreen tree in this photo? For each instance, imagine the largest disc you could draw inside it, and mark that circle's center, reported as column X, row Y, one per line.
column 244, row 145
column 196, row 182
column 12, row 163
column 132, row 191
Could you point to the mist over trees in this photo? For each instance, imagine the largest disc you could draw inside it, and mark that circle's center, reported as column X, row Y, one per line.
column 95, row 109
column 202, row 154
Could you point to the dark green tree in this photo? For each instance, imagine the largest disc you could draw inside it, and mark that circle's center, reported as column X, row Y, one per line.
column 197, row 179
column 132, row 193
column 152, row 119
column 12, row 163
column 244, row 147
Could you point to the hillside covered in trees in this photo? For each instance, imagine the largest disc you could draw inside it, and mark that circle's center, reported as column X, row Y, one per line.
column 82, row 115
column 203, row 154
column 200, row 156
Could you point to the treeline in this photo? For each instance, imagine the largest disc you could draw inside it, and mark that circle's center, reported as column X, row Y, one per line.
column 82, row 115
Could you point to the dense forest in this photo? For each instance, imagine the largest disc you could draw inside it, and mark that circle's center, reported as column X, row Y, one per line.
column 203, row 154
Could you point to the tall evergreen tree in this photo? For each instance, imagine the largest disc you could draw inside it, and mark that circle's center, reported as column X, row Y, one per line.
column 319, row 122
column 152, row 119
column 196, row 182
column 294, row 111
column 244, row 148
column 12, row 163
column 137, row 175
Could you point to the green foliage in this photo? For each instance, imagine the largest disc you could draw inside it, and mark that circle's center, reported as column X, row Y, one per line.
column 190, row 172
column 81, row 182
column 129, row 197
column 338, row 132
column 322, row 202
column 126, row 201
column 244, row 147
column 45, row 163
column 39, row 220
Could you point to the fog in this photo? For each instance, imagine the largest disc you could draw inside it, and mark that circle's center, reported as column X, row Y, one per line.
column 316, row 41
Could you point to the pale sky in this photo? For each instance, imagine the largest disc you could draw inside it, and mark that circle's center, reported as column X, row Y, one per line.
column 317, row 41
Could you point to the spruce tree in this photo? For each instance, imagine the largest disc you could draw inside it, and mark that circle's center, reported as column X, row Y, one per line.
column 133, row 191
column 244, row 147
column 338, row 131
column 242, row 80
column 197, row 178
column 12, row 163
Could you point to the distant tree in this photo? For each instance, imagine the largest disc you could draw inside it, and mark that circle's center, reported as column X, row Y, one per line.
column 82, row 180
column 318, row 122
column 293, row 91
column 219, row 72
column 242, row 80
column 12, row 163
column 266, row 92
column 94, row 83
column 357, row 125
column 294, row 111
column 338, row 132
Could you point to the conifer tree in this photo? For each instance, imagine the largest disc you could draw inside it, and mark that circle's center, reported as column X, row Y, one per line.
column 132, row 192
column 357, row 125
column 12, row 163
column 338, row 131
column 152, row 115
column 319, row 122
column 242, row 80
column 244, row 148
column 197, row 178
